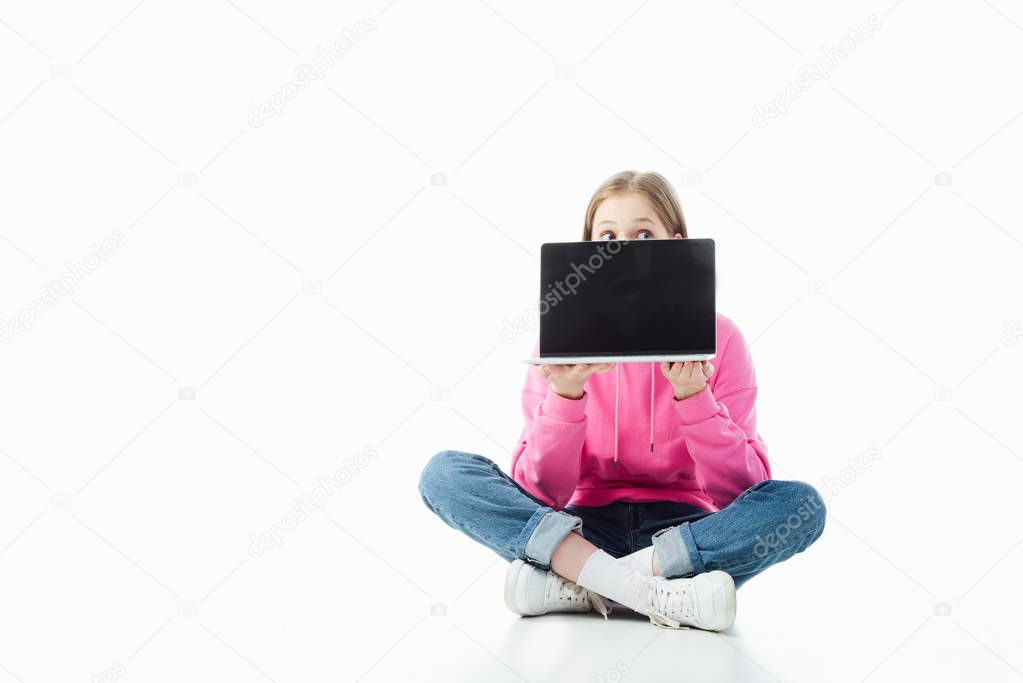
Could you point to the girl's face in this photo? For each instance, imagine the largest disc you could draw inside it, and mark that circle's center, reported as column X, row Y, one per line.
column 628, row 216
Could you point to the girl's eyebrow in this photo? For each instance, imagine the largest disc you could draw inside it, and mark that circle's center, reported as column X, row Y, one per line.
column 638, row 220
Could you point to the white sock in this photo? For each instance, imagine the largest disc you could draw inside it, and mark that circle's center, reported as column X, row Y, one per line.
column 613, row 579
column 641, row 560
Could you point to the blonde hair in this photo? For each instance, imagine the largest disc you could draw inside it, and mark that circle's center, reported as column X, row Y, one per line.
column 653, row 186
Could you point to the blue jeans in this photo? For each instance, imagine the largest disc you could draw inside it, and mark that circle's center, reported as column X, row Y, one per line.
column 767, row 523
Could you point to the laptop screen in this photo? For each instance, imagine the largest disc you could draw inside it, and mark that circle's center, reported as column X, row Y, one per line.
column 627, row 298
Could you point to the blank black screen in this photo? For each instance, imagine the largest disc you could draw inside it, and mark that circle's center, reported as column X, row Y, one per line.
column 627, row 298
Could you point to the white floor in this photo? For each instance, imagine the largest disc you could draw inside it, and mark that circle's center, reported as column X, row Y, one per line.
column 325, row 608
column 811, row 620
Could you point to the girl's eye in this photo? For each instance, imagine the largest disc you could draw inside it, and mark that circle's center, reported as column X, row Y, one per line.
column 644, row 235
column 607, row 236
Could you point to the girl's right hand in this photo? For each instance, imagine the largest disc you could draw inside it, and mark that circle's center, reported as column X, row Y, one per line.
column 568, row 380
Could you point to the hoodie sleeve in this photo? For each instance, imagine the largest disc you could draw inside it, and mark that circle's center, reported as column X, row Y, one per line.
column 547, row 460
column 719, row 427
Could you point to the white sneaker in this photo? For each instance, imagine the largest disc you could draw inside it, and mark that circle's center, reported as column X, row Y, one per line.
column 705, row 601
column 530, row 591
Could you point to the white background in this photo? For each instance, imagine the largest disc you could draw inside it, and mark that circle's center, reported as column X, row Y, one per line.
column 322, row 290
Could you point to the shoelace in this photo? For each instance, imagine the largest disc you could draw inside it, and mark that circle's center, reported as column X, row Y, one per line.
column 665, row 599
column 562, row 591
column 599, row 604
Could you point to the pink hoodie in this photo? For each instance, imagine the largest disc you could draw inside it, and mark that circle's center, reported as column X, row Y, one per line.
column 628, row 438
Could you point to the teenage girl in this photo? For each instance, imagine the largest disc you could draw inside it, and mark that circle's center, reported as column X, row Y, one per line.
column 645, row 485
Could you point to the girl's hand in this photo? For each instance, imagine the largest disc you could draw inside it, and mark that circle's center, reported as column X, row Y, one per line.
column 688, row 378
column 568, row 380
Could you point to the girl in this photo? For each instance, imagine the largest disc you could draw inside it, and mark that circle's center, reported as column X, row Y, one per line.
column 632, row 484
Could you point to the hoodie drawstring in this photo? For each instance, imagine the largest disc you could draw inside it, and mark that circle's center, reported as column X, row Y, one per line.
column 618, row 376
column 651, row 407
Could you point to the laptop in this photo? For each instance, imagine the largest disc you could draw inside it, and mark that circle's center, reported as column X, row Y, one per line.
column 623, row 301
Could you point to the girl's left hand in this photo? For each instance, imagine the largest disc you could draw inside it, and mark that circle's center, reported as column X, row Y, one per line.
column 688, row 377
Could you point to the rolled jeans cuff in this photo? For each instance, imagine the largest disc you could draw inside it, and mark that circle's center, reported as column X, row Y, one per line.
column 543, row 534
column 677, row 552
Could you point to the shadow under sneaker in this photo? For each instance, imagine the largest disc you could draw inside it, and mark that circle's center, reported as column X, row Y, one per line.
column 530, row 591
